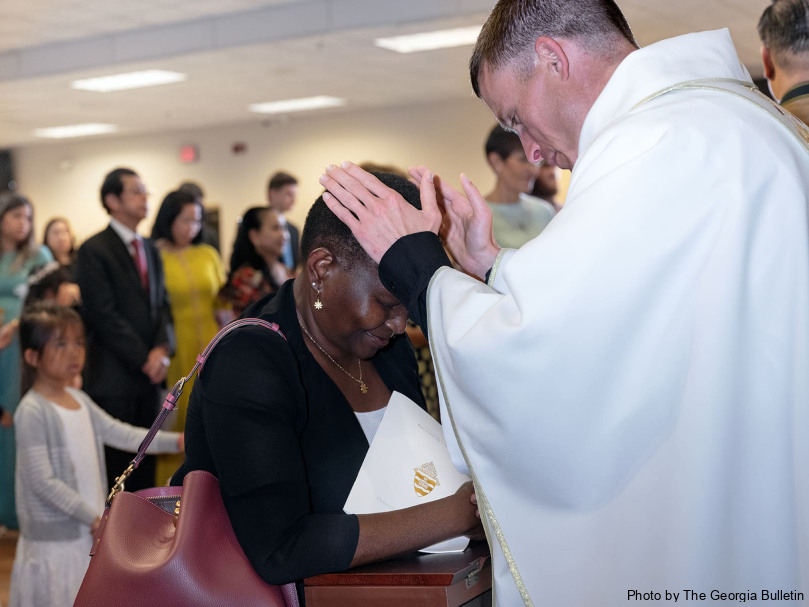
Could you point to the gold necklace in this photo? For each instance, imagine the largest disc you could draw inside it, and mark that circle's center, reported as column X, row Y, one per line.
column 363, row 386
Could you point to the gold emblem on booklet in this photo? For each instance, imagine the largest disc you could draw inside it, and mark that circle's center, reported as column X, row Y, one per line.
column 425, row 479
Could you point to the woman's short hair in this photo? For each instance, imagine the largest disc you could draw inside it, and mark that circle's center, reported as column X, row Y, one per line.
column 375, row 167
column 324, row 229
column 171, row 207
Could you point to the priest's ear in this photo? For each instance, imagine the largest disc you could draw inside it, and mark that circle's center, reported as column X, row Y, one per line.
column 552, row 56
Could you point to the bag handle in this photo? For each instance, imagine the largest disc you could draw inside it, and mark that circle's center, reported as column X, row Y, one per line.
column 177, row 390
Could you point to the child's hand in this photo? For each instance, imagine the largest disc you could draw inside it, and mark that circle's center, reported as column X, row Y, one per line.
column 94, row 525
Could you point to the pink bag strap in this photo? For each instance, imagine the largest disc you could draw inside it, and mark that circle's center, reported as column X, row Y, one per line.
column 177, row 390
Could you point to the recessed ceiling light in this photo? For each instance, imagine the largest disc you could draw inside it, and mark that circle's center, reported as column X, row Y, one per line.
column 75, row 130
column 428, row 41
column 131, row 80
column 296, row 105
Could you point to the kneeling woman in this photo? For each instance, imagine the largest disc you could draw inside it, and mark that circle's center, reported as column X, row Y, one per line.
column 286, row 425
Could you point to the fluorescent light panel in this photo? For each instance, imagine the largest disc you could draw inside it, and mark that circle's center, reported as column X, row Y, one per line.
column 75, row 130
column 296, row 105
column 130, row 80
column 429, row 41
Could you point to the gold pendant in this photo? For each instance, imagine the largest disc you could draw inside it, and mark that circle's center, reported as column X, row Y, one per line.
column 363, row 387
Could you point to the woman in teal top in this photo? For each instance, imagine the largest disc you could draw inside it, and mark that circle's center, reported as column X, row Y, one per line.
column 19, row 253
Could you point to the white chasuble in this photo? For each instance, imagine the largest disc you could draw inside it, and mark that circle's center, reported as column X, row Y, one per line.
column 631, row 391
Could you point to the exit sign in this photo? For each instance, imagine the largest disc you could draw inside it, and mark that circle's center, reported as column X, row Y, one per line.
column 188, row 154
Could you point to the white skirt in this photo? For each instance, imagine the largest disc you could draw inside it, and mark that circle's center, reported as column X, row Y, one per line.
column 49, row 573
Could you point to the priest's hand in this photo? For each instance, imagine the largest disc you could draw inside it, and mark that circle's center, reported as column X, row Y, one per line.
column 377, row 215
column 466, row 228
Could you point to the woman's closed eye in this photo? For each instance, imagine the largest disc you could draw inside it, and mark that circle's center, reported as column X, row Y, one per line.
column 390, row 305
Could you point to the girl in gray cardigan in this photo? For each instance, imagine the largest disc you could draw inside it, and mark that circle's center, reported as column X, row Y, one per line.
column 59, row 482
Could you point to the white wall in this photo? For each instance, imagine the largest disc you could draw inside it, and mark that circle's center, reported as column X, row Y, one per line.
column 64, row 178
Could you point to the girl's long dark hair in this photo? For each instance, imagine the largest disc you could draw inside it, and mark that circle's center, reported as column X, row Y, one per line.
column 38, row 325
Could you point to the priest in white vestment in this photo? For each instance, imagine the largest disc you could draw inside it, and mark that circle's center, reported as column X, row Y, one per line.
column 629, row 390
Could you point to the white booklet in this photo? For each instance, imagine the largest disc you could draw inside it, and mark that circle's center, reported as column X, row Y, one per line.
column 407, row 464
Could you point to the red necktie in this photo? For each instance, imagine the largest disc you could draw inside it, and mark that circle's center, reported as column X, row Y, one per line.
column 140, row 263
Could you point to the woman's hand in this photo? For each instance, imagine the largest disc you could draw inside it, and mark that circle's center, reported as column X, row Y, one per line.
column 387, row 534
column 466, row 227
column 470, row 511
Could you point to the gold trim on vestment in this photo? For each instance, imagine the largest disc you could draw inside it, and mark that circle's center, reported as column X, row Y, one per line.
column 748, row 92
column 483, row 502
column 495, row 267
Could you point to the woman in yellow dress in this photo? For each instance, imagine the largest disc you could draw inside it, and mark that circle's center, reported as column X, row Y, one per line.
column 194, row 274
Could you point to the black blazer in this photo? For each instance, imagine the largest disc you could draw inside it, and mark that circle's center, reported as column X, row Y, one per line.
column 271, row 424
column 123, row 322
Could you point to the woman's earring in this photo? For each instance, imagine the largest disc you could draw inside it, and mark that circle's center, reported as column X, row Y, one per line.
column 318, row 304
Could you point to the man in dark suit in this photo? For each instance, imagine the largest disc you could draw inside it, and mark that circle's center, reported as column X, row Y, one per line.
column 281, row 191
column 126, row 312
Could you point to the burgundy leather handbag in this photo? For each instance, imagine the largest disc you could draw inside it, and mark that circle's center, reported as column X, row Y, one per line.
column 174, row 546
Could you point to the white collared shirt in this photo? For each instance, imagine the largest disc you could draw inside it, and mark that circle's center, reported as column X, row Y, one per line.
column 126, row 235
